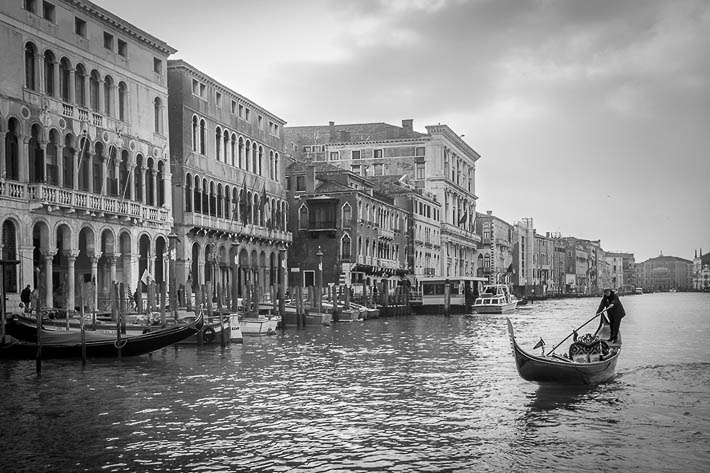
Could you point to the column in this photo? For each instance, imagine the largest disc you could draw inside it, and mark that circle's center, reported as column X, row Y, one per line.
column 26, row 270
column 154, row 189
column 43, row 148
column 112, row 260
column 72, row 86
column 89, row 157
column 143, row 189
column 55, row 79
column 75, row 161
column 101, row 105
column 48, row 256
column 2, row 154
column 95, row 278
column 23, row 152
column 71, row 259
column 60, row 164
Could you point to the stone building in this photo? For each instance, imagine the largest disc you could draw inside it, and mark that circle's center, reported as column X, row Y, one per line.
column 361, row 232
column 438, row 161
column 229, row 174
column 664, row 273
column 701, row 271
column 84, row 164
column 495, row 255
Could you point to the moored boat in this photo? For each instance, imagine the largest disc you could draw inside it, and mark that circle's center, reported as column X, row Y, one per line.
column 21, row 341
column 431, row 298
column 258, row 325
column 495, row 299
column 590, row 360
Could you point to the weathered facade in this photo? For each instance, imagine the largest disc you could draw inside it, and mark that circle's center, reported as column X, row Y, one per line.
column 438, row 161
column 229, row 173
column 361, row 233
column 664, row 273
column 85, row 183
column 495, row 255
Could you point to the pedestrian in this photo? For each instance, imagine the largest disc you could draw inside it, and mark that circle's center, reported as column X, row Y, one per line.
column 25, row 297
column 615, row 310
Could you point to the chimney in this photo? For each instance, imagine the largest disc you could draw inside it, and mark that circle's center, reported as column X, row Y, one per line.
column 489, row 212
column 408, row 124
column 331, row 128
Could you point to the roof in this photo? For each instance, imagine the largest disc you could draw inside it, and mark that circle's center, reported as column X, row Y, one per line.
column 379, row 131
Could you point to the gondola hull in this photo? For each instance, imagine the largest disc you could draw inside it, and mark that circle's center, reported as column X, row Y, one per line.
column 20, row 342
column 559, row 370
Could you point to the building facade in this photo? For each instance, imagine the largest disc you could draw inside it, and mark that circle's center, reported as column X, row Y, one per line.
column 495, row 255
column 701, row 271
column 664, row 273
column 438, row 161
column 360, row 233
column 229, row 174
column 85, row 183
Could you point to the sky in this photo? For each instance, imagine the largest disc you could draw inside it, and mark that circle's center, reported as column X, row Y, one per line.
column 591, row 117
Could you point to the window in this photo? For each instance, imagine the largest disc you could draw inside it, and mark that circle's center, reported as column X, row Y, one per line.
column 29, row 5
column 195, row 87
column 48, row 11
column 334, row 155
column 378, row 154
column 218, row 99
column 420, row 171
column 241, row 111
column 30, row 66
column 355, row 168
column 347, row 215
column 345, row 247
column 122, row 48
column 80, row 27
column 49, row 65
column 122, row 101
column 247, row 114
column 300, row 183
column 108, row 41
column 157, row 115
column 303, row 218
column 355, row 154
column 234, row 107
column 157, row 66
column 260, row 122
column 419, row 151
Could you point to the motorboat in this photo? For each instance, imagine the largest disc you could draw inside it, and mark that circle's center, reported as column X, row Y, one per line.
column 495, row 299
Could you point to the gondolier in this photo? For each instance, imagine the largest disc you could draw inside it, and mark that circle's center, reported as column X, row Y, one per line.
column 615, row 310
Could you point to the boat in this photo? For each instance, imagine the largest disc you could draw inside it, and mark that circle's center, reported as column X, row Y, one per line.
column 495, row 299
column 21, row 341
column 259, row 324
column 211, row 331
column 590, row 360
column 430, row 299
column 639, row 290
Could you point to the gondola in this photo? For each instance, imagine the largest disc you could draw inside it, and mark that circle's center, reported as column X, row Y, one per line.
column 21, row 341
column 590, row 360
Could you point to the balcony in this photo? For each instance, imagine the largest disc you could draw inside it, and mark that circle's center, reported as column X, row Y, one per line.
column 238, row 228
column 59, row 198
column 385, row 234
column 460, row 232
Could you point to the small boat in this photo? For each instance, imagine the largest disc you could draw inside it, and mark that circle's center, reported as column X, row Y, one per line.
column 590, row 361
column 211, row 331
column 21, row 341
column 639, row 290
column 495, row 299
column 258, row 325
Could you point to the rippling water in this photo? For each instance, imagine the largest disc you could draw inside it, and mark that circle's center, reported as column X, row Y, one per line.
column 419, row 393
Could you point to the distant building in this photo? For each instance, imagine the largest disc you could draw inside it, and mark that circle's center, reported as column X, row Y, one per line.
column 701, row 271
column 438, row 161
column 85, row 183
column 495, row 254
column 230, row 200
column 664, row 273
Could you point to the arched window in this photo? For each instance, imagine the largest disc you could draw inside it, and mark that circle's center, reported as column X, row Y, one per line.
column 53, row 159
column 205, row 198
column 30, row 66
column 347, row 215
column 94, row 91
column 36, row 157
column 161, row 184
column 227, row 203
column 99, row 187
column 213, row 200
column 80, row 85
column 12, row 150
column 124, row 174
column 108, row 95
column 232, row 149
column 261, row 160
column 217, row 146
column 303, row 218
column 9, row 252
column 345, row 247
column 137, row 178
column 157, row 116
column 64, row 82
column 277, row 175
column 68, row 162
column 150, row 182
column 122, row 101
column 195, row 133
column 219, row 201
column 247, row 156
column 188, row 193
column 271, row 164
column 203, row 136
column 197, row 196
column 254, row 158
column 240, row 162
column 49, row 86
column 112, row 182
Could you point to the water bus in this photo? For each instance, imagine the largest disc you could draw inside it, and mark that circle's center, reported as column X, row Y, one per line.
column 430, row 298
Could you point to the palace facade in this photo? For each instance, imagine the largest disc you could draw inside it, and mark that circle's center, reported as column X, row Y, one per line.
column 85, row 181
column 229, row 174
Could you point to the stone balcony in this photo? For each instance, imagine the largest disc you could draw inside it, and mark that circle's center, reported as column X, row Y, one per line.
column 192, row 219
column 54, row 198
column 460, row 232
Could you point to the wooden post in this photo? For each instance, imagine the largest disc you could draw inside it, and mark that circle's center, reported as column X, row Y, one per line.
column 122, row 309
column 299, row 307
column 38, row 361
column 219, row 314
column 282, row 304
column 115, row 314
column 163, row 294
column 82, row 295
column 347, row 297
column 447, row 298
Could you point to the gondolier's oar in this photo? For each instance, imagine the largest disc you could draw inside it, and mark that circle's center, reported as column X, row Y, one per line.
column 575, row 331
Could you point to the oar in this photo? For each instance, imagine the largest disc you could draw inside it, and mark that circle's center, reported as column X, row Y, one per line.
column 574, row 331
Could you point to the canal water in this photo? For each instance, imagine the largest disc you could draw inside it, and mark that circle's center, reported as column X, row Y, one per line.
column 419, row 393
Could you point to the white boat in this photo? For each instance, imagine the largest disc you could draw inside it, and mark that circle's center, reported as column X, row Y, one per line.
column 430, row 299
column 495, row 299
column 258, row 325
column 639, row 290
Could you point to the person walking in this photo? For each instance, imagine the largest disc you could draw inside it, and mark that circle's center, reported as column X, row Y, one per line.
column 615, row 310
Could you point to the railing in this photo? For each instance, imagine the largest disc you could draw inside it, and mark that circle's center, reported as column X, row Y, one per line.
column 70, row 198
column 233, row 226
column 385, row 234
column 14, row 190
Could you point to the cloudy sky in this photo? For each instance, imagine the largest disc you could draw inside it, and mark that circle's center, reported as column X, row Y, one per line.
column 592, row 117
